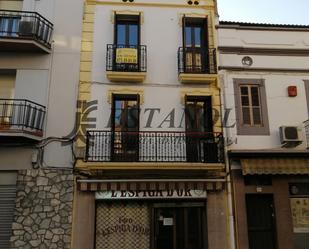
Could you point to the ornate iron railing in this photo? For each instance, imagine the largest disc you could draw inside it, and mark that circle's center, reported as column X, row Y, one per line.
column 20, row 114
column 25, row 25
column 147, row 146
column 197, row 60
column 126, row 58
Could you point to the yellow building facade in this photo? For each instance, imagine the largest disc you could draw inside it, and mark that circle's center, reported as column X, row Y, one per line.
column 150, row 171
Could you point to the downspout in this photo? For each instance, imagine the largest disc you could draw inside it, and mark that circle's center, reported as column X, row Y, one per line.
column 227, row 167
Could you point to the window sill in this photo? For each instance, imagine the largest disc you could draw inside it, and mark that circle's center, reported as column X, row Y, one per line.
column 126, row 76
column 253, row 131
column 198, row 78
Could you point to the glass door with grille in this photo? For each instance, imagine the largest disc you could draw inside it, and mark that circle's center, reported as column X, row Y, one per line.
column 180, row 228
column 200, row 143
column 127, row 42
column 125, row 124
column 195, row 45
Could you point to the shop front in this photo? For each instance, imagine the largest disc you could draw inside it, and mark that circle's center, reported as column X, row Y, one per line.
column 271, row 202
column 150, row 215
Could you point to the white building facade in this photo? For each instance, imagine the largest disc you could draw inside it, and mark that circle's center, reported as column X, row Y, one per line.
column 39, row 67
column 264, row 72
column 149, row 175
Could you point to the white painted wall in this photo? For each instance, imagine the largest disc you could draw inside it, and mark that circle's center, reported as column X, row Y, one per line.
column 32, row 85
column 282, row 110
column 64, row 79
column 161, row 32
column 50, row 79
column 263, row 38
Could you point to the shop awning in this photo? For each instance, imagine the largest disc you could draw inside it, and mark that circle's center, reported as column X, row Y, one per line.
column 274, row 166
column 151, row 184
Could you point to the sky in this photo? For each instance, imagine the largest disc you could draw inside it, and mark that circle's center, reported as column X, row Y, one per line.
column 265, row 11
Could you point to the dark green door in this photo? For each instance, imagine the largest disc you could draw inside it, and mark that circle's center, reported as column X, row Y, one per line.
column 261, row 221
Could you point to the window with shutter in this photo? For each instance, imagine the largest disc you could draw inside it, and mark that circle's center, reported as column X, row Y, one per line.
column 251, row 107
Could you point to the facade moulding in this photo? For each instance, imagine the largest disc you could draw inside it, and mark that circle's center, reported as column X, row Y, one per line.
column 263, row 51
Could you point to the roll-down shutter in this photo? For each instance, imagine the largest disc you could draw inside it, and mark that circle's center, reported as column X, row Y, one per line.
column 7, row 206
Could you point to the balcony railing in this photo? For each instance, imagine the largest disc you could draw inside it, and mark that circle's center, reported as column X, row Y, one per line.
column 21, row 115
column 25, row 25
column 126, row 58
column 197, row 60
column 108, row 146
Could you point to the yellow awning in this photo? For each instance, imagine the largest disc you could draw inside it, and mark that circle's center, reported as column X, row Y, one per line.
column 273, row 166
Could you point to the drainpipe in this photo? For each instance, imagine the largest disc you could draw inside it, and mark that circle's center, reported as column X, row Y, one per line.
column 227, row 168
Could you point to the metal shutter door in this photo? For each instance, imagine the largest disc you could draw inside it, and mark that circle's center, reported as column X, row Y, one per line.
column 7, row 206
column 122, row 225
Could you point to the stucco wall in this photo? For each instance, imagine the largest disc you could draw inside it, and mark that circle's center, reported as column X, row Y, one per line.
column 280, row 69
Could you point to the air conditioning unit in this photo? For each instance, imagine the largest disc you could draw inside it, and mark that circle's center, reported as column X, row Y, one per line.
column 290, row 136
column 25, row 28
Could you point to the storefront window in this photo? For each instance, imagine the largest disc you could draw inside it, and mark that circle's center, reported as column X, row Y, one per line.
column 299, row 193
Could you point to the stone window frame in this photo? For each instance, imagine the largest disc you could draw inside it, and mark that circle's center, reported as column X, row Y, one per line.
column 251, row 130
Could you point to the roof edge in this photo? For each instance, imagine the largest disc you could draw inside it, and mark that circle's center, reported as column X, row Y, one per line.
column 248, row 25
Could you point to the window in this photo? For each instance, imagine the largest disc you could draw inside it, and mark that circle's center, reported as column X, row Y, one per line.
column 195, row 44
column 251, row 107
column 127, row 30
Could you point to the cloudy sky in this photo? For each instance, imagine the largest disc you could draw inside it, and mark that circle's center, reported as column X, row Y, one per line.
column 265, row 11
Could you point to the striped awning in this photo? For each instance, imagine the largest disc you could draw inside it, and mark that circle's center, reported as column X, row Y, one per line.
column 97, row 185
column 274, row 166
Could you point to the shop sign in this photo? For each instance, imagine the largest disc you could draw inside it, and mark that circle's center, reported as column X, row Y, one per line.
column 300, row 214
column 126, row 55
column 151, row 194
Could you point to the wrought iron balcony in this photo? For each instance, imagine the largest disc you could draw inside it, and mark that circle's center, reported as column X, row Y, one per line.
column 24, row 31
column 144, row 146
column 196, row 60
column 126, row 58
column 19, row 115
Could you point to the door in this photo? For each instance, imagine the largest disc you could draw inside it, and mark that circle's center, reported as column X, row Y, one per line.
column 195, row 45
column 7, row 93
column 261, row 221
column 180, row 228
column 125, row 124
column 127, row 41
column 201, row 146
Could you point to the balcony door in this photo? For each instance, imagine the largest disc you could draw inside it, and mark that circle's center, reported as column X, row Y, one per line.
column 125, row 125
column 127, row 42
column 9, row 26
column 195, row 45
column 180, row 228
column 7, row 93
column 200, row 143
